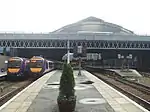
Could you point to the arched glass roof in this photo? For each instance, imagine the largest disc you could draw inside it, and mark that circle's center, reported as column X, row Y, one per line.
column 94, row 25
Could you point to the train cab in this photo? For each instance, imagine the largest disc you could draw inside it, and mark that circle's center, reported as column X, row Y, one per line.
column 36, row 64
column 17, row 68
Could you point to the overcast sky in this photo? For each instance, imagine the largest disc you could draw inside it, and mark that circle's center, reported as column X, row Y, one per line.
column 49, row 15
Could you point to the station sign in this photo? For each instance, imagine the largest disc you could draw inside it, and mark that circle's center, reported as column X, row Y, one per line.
column 79, row 51
column 93, row 56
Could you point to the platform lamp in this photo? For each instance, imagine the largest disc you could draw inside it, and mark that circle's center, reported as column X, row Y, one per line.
column 121, row 57
column 128, row 58
column 79, row 51
column 68, row 51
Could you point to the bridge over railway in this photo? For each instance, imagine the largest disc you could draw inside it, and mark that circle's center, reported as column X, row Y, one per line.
column 92, row 41
column 97, row 35
column 92, row 32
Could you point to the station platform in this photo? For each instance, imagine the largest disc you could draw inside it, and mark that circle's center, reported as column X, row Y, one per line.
column 3, row 74
column 125, row 73
column 41, row 96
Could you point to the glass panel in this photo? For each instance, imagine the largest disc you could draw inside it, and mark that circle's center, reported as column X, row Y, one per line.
column 14, row 64
column 36, row 64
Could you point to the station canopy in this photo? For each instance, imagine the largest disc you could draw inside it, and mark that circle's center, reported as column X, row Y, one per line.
column 94, row 25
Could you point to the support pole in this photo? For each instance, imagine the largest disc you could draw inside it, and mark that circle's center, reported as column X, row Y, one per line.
column 128, row 65
column 79, row 66
column 68, row 51
column 122, row 64
column 4, row 51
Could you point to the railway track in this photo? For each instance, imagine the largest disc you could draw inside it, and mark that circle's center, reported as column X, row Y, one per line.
column 137, row 92
column 9, row 89
column 141, row 87
column 147, row 74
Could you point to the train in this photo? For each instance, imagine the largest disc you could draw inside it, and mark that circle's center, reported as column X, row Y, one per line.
column 39, row 66
column 17, row 68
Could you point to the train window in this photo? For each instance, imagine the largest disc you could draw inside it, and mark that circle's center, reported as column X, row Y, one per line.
column 36, row 64
column 50, row 65
column 14, row 64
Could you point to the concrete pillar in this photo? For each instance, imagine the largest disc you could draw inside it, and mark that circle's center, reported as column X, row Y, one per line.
column 4, row 51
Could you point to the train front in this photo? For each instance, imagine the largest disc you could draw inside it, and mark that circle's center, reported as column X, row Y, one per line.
column 36, row 66
column 14, row 68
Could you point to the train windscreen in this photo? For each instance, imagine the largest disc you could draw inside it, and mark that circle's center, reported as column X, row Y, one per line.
column 36, row 64
column 14, row 64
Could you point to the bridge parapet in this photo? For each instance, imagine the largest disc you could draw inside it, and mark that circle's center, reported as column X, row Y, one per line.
column 91, row 44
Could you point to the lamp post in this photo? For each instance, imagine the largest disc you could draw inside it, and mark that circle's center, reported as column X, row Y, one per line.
column 68, row 51
column 135, row 61
column 128, row 58
column 79, row 51
column 121, row 57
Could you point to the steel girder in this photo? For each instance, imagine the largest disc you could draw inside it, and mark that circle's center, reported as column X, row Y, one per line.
column 91, row 44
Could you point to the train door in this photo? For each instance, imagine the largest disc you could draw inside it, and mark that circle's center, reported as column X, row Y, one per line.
column 51, row 66
column 47, row 67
